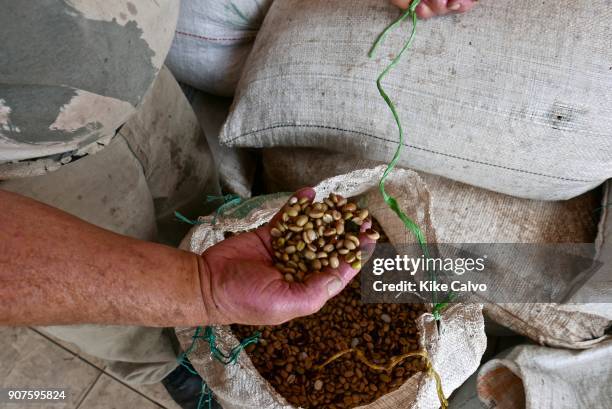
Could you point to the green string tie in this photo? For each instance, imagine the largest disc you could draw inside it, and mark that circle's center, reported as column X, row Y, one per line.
column 226, row 359
column 229, row 201
column 390, row 200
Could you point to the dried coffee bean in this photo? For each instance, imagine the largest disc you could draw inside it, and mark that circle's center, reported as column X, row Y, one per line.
column 310, row 255
column 349, row 207
column 372, row 234
column 310, row 231
column 334, row 262
column 349, row 245
column 316, row 214
column 311, row 340
column 301, row 220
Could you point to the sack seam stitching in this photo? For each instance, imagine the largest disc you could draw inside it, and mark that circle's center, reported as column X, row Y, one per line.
column 229, row 141
column 201, row 37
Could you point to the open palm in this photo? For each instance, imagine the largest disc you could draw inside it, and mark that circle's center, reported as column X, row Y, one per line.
column 244, row 286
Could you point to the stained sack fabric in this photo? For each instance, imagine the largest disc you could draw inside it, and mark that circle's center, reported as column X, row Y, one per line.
column 512, row 97
column 158, row 162
column 465, row 214
column 455, row 349
column 213, row 40
column 71, row 73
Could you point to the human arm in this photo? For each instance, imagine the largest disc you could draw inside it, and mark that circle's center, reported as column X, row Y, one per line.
column 57, row 269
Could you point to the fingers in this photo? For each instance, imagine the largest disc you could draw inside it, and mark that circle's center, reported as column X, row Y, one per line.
column 320, row 287
column 403, row 4
column 311, row 295
column 347, row 271
column 430, row 8
column 461, row 6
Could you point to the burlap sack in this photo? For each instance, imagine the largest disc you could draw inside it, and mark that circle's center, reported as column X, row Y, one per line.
column 236, row 167
column 532, row 377
column 455, row 349
column 213, row 40
column 513, row 96
column 466, row 214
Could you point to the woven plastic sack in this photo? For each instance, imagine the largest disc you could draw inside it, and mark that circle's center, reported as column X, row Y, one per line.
column 455, row 349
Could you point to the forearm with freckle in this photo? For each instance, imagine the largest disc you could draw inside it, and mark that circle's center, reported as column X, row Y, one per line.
column 58, row 269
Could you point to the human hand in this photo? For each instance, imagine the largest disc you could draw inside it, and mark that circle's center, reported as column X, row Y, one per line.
column 241, row 285
column 430, row 8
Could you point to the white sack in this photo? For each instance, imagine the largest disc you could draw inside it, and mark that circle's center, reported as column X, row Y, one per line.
column 213, row 40
column 533, row 377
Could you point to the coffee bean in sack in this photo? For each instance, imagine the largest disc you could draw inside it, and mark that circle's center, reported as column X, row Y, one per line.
column 290, row 356
column 311, row 236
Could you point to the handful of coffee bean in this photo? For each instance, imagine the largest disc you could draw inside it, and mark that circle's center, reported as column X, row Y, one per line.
column 311, row 236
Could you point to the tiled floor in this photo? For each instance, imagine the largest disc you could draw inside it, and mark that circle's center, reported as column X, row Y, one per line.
column 29, row 358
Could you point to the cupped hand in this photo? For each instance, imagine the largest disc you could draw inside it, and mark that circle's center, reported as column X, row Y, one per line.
column 241, row 285
column 430, row 8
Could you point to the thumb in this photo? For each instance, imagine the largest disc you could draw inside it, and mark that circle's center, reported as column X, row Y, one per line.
column 311, row 295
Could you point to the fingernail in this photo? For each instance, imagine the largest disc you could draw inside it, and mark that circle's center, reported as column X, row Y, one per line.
column 334, row 287
column 454, row 6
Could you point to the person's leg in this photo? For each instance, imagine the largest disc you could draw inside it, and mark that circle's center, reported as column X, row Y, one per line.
column 167, row 139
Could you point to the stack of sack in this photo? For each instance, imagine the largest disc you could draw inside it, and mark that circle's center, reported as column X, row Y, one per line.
column 508, row 118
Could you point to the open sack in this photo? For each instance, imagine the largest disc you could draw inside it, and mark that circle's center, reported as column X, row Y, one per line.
column 454, row 349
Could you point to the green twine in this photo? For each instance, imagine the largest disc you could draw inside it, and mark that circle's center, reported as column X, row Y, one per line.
column 185, row 219
column 390, row 200
column 226, row 359
column 209, row 337
column 229, row 201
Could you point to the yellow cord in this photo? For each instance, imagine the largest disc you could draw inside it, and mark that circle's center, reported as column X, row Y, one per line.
column 393, row 362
